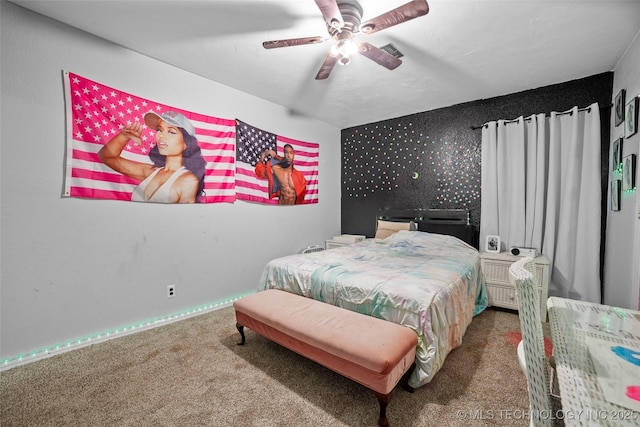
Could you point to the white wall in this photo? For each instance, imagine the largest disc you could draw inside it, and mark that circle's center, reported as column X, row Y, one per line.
column 622, row 256
column 73, row 267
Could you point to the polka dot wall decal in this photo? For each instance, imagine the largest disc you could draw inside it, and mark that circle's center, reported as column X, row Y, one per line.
column 381, row 158
column 456, row 169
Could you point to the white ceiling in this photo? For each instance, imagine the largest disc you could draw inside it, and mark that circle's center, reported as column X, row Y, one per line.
column 462, row 50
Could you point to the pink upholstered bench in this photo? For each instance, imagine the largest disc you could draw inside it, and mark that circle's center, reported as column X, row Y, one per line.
column 373, row 352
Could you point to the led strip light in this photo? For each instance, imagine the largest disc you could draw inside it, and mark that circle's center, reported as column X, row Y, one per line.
column 109, row 334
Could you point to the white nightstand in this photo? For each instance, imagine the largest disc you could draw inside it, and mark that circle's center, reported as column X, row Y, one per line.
column 495, row 268
column 330, row 244
column 343, row 240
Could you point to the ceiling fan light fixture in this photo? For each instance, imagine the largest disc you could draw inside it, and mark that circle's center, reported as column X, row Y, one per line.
column 343, row 49
column 347, row 47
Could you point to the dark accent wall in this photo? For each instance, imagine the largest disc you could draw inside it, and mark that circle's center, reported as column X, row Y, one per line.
column 432, row 159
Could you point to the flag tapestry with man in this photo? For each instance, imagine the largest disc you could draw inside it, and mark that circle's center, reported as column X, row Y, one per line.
column 96, row 113
column 251, row 145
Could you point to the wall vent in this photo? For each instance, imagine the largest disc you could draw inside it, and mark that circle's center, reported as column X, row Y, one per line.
column 392, row 50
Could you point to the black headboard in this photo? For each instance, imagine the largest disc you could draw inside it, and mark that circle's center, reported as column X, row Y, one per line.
column 454, row 222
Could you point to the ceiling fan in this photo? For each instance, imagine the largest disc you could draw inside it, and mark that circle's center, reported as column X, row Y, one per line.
column 343, row 19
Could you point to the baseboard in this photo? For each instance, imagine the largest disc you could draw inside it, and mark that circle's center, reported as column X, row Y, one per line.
column 54, row 350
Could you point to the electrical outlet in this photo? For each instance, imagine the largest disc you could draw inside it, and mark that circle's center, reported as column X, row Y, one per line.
column 171, row 291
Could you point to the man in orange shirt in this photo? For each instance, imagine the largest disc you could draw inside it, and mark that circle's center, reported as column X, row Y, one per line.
column 285, row 182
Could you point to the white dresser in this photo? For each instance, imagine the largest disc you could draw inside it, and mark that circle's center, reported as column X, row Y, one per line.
column 502, row 293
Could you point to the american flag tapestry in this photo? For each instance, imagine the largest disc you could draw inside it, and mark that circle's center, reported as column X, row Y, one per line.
column 274, row 169
column 123, row 147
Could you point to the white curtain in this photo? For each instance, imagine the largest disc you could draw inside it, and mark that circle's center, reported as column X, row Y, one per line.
column 541, row 189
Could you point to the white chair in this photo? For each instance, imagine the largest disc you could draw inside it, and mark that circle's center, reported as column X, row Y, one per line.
column 542, row 404
column 520, row 350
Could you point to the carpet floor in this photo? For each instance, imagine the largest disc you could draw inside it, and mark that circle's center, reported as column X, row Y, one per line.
column 193, row 373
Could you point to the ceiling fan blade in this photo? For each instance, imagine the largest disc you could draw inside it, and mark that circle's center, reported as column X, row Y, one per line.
column 272, row 44
column 378, row 55
column 330, row 13
column 328, row 64
column 396, row 16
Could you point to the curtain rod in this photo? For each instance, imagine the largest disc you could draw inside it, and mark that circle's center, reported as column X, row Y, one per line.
column 546, row 115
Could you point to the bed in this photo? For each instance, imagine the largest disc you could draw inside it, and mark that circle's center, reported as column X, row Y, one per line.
column 428, row 282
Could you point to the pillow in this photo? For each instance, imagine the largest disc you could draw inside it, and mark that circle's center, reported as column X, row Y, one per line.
column 385, row 229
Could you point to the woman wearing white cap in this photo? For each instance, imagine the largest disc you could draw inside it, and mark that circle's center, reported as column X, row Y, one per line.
column 177, row 172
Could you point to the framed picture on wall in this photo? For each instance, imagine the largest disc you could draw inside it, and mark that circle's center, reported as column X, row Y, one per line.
column 492, row 244
column 629, row 172
column 631, row 117
column 619, row 107
column 616, row 156
column 615, row 195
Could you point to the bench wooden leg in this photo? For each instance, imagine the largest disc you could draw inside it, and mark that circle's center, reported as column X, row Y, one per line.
column 404, row 381
column 241, row 330
column 384, row 400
